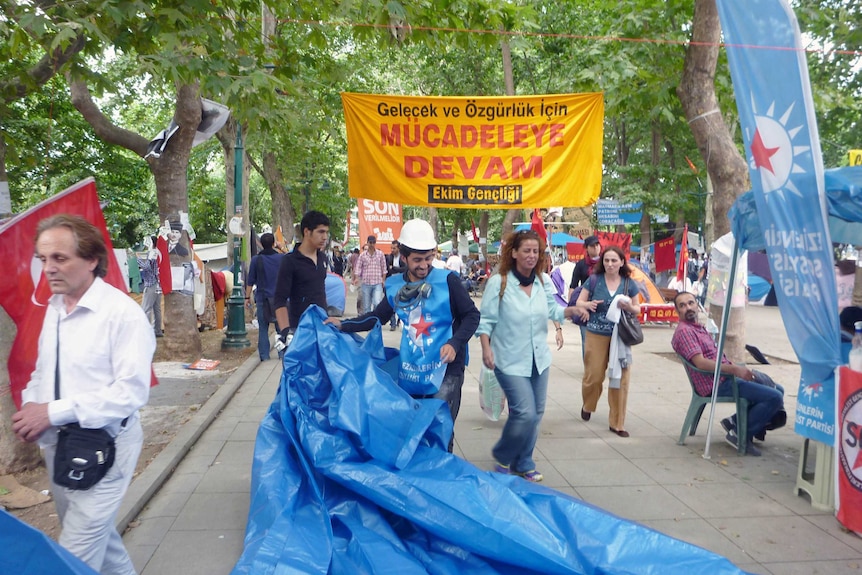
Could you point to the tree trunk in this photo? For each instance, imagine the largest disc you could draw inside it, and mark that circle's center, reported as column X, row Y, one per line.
column 509, row 80
column 170, row 173
column 15, row 455
column 283, row 213
column 726, row 168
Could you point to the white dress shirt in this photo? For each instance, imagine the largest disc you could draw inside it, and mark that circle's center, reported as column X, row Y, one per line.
column 106, row 353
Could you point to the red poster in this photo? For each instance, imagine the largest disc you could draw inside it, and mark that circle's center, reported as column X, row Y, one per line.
column 621, row 240
column 665, row 259
column 849, row 447
column 23, row 292
column 379, row 219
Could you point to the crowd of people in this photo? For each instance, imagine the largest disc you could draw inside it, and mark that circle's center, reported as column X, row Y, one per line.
column 74, row 383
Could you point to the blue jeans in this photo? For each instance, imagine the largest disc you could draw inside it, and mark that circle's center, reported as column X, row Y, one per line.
column 765, row 399
column 372, row 294
column 265, row 316
column 526, row 397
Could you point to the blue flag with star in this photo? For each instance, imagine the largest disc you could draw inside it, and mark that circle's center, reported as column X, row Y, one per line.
column 782, row 147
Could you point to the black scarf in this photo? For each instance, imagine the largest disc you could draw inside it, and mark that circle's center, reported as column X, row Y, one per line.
column 524, row 280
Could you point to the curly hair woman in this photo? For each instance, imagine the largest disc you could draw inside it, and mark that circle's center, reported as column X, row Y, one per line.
column 517, row 303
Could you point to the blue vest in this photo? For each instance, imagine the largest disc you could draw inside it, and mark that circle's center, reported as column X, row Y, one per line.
column 427, row 321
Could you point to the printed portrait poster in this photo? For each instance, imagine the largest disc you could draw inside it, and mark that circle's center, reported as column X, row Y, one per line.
column 498, row 152
column 379, row 219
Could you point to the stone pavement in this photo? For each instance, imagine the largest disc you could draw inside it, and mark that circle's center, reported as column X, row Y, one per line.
column 187, row 512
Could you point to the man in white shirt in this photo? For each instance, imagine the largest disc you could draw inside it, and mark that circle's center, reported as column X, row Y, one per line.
column 100, row 345
column 454, row 263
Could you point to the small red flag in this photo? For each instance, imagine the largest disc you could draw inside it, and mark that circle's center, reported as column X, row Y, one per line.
column 683, row 256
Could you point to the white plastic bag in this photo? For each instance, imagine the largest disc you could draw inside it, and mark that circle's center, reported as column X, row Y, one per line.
column 492, row 400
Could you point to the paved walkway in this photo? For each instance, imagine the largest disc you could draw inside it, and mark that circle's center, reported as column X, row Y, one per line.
column 741, row 507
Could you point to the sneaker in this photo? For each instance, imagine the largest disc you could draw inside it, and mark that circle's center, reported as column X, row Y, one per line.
column 750, row 449
column 391, row 327
column 729, row 427
column 730, row 439
column 532, row 475
column 500, row 468
column 761, row 437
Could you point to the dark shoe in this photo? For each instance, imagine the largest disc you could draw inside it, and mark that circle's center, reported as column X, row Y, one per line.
column 620, row 432
column 778, row 420
column 392, row 327
column 585, row 415
column 729, row 427
column 760, row 436
column 500, row 468
column 730, row 439
column 751, row 450
column 160, row 334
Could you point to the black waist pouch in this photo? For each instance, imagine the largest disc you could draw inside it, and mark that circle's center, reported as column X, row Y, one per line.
column 83, row 456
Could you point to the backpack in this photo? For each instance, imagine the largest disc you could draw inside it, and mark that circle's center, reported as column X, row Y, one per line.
column 692, row 271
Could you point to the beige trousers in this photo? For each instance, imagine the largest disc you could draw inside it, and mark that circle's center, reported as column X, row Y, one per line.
column 596, row 352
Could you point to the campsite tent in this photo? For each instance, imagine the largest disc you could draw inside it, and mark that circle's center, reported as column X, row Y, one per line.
column 562, row 277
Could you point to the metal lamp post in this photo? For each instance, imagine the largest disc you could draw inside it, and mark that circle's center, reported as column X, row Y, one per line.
column 236, row 336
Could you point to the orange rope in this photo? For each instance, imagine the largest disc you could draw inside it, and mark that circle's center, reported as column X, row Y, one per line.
column 562, row 35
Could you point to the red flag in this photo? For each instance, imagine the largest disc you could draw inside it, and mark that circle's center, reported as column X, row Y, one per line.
column 23, row 291
column 621, row 240
column 683, row 256
column 538, row 225
column 475, row 231
column 575, row 252
column 665, row 259
column 165, row 280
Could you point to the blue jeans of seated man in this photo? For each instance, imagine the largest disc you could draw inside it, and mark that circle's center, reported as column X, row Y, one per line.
column 372, row 294
column 265, row 316
column 765, row 399
column 526, row 397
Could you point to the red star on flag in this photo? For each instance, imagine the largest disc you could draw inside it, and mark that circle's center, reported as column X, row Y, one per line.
column 761, row 153
column 422, row 326
column 858, row 463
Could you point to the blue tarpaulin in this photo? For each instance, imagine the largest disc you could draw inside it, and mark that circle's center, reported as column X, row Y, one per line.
column 28, row 551
column 351, row 475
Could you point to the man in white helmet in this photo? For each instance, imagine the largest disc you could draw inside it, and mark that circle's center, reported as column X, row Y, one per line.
column 439, row 319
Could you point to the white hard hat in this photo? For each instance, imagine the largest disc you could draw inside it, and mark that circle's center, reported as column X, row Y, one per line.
column 417, row 235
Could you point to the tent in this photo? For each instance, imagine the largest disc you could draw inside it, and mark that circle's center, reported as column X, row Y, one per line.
column 562, row 278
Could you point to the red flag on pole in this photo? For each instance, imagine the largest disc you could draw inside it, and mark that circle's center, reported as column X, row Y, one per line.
column 664, row 257
column 538, row 225
column 475, row 231
column 24, row 293
column 683, row 256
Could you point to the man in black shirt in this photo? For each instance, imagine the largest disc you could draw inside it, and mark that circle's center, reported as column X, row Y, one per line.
column 302, row 276
column 582, row 273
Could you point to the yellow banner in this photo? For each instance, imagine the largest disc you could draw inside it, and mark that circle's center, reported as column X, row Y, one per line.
column 856, row 157
column 470, row 152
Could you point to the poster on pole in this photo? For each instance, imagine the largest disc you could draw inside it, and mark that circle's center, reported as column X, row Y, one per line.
column 379, row 219
column 473, row 152
column 782, row 146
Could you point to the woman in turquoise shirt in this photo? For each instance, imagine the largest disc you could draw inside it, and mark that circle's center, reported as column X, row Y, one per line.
column 517, row 303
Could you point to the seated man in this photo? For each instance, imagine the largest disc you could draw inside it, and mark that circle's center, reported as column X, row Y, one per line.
column 765, row 397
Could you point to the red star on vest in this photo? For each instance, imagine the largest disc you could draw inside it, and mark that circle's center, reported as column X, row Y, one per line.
column 421, row 326
column 761, row 153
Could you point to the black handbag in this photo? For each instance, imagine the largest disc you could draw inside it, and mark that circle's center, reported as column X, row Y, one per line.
column 83, row 456
column 629, row 328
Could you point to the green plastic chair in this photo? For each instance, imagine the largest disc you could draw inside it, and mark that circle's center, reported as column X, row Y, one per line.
column 698, row 402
